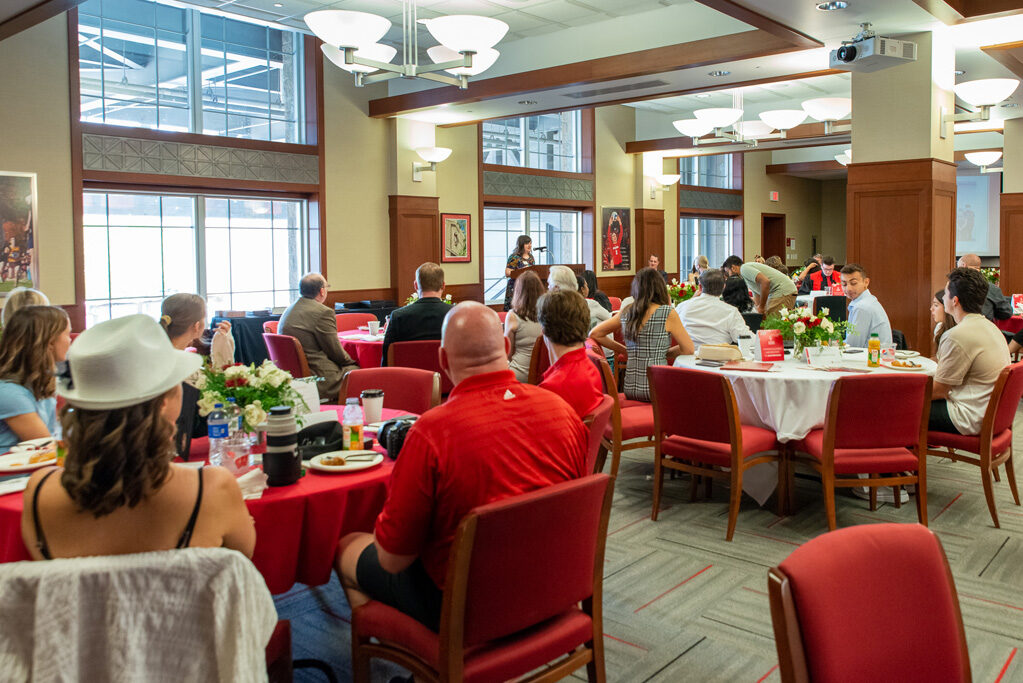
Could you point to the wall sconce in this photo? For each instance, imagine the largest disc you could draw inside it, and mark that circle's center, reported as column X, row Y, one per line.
column 663, row 183
column 984, row 159
column 433, row 155
column 983, row 94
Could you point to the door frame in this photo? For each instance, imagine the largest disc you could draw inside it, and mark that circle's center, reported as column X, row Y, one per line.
column 763, row 229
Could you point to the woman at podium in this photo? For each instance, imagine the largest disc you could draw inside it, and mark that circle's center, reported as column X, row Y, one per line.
column 522, row 257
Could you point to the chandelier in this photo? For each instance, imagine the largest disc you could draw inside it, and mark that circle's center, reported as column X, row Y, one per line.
column 351, row 41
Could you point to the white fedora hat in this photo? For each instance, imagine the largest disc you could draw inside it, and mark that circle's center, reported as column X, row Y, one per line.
column 122, row 363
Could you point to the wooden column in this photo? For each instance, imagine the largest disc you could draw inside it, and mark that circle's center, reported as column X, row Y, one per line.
column 415, row 239
column 901, row 229
column 1010, row 257
column 649, row 235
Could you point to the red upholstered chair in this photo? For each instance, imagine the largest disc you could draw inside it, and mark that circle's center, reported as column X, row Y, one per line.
column 616, row 303
column 629, row 420
column 539, row 362
column 597, row 423
column 903, row 624
column 419, row 354
column 352, row 321
column 270, row 326
column 703, row 437
column 994, row 443
column 505, row 614
column 502, row 315
column 287, row 354
column 875, row 425
column 408, row 389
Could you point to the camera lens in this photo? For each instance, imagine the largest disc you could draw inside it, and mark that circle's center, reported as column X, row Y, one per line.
column 846, row 53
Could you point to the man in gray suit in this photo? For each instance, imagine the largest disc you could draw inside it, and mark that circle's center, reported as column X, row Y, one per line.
column 315, row 328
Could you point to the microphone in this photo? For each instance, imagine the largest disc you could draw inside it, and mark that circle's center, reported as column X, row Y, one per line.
column 539, row 248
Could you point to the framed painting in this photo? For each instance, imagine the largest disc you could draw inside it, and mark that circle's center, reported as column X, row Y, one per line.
column 615, row 238
column 454, row 228
column 18, row 210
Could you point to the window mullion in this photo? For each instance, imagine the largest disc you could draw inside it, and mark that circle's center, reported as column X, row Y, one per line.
column 193, row 48
column 200, row 245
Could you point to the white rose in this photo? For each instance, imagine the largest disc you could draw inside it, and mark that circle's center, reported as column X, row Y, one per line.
column 824, row 311
column 784, row 313
column 206, row 403
column 276, row 379
column 254, row 414
column 827, row 325
column 200, row 381
column 799, row 328
column 236, row 371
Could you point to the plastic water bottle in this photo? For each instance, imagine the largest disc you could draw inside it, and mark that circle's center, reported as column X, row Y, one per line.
column 234, row 416
column 217, row 430
column 351, row 426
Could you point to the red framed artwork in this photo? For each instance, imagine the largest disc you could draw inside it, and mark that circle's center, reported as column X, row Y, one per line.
column 454, row 233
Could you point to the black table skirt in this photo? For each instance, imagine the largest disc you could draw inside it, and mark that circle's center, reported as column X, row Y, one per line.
column 248, row 337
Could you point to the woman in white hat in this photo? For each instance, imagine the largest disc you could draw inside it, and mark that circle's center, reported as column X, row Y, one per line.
column 118, row 492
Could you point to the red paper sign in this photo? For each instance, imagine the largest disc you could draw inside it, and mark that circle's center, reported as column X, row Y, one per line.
column 1017, row 301
column 769, row 346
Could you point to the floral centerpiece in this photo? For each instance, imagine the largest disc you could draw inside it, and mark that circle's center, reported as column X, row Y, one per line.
column 992, row 274
column 255, row 389
column 414, row 297
column 806, row 328
column 681, row 291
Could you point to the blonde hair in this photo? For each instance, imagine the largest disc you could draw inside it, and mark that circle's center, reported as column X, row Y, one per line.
column 20, row 297
column 25, row 354
column 180, row 311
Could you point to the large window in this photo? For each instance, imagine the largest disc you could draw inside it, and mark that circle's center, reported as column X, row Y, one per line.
column 711, row 237
column 154, row 65
column 707, row 171
column 548, row 141
column 559, row 231
column 239, row 253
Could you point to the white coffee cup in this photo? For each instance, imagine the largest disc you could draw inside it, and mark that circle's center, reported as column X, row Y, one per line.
column 372, row 405
column 374, row 327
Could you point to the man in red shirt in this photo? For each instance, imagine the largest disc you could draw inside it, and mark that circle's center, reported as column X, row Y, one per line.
column 565, row 319
column 822, row 279
column 493, row 438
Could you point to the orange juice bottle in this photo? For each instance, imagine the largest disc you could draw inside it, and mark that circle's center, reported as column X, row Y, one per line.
column 874, row 351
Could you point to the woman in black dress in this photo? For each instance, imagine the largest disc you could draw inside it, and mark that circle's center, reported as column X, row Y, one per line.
column 520, row 258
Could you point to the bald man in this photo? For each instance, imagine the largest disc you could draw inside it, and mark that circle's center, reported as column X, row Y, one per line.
column 996, row 305
column 492, row 439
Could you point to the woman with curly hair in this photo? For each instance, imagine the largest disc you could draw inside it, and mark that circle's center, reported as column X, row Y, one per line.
column 35, row 339
column 118, row 491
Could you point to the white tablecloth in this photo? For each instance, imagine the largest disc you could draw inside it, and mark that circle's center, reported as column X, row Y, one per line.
column 791, row 400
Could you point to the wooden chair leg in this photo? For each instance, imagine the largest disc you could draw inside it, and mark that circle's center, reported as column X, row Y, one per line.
column 598, row 466
column 921, row 498
column 734, row 498
column 1010, row 476
column 708, row 487
column 997, row 477
column 694, row 484
column 898, row 495
column 616, row 460
column 360, row 664
column 658, row 483
column 595, row 667
column 829, row 501
column 782, row 490
column 989, row 494
column 873, row 498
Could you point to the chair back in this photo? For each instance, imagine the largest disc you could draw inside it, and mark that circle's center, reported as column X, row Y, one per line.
column 837, row 306
column 899, row 339
column 693, row 403
column 502, row 315
column 597, row 422
column 424, row 355
column 616, row 303
column 194, row 614
column 496, row 587
column 825, row 614
column 753, row 320
column 287, row 354
column 607, row 378
column 878, row 411
column 1005, row 398
column 352, row 321
column 270, row 326
column 408, row 389
column 539, row 361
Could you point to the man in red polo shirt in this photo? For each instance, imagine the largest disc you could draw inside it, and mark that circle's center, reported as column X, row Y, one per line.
column 565, row 319
column 493, row 438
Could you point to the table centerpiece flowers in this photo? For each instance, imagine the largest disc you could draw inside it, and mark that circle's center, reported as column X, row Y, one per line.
column 255, row 389
column 681, row 291
column 805, row 328
column 414, row 297
column 992, row 275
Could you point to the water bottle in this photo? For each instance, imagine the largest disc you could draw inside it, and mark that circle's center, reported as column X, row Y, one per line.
column 234, row 416
column 351, row 426
column 217, row 430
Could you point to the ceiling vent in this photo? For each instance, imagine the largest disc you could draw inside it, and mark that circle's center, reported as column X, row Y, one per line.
column 597, row 92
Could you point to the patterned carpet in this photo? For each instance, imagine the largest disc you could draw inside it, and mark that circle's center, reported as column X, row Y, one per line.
column 682, row 604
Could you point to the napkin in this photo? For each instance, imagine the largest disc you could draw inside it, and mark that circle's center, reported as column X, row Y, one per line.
column 13, row 485
column 252, row 484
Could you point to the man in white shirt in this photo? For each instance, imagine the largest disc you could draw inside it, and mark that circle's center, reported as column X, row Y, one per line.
column 866, row 315
column 707, row 318
column 971, row 355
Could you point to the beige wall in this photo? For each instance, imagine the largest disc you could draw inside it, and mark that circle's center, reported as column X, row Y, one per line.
column 832, row 225
column 615, row 182
column 35, row 129
column 799, row 201
column 458, row 192
column 1012, row 161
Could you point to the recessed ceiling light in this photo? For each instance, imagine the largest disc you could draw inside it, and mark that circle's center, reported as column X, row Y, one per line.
column 959, row 72
column 278, row 4
column 832, row 5
column 527, row 102
column 702, row 95
column 718, row 73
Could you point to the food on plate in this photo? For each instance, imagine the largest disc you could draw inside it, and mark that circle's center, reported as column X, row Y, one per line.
column 42, row 456
column 333, row 461
column 905, row 364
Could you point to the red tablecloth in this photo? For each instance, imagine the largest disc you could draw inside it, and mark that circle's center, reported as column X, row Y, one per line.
column 367, row 354
column 1011, row 325
column 297, row 527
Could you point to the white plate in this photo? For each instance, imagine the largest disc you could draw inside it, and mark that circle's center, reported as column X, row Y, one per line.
column 317, row 462
column 903, row 355
column 889, row 365
column 11, row 463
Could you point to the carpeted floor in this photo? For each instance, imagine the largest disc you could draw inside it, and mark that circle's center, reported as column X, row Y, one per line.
column 682, row 604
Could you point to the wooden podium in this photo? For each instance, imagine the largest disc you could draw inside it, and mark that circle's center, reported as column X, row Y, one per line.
column 543, row 271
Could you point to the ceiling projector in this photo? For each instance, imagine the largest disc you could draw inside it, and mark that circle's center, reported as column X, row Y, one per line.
column 868, row 52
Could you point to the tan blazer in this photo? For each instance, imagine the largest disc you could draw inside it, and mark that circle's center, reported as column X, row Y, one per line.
column 315, row 328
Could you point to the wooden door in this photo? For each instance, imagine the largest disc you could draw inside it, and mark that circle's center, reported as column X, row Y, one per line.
column 772, row 235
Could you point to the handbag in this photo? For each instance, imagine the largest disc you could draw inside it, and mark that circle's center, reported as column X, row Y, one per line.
column 725, row 352
column 392, row 434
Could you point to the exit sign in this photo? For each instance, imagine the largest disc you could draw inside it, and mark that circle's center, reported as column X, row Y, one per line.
column 774, row 195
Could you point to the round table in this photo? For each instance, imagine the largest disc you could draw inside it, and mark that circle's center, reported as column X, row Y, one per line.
column 297, row 526
column 364, row 350
column 791, row 400
column 1011, row 325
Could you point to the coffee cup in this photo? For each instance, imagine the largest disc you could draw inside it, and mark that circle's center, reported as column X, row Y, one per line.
column 374, row 327
column 372, row 405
